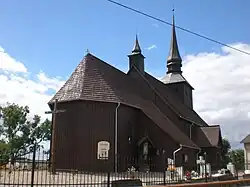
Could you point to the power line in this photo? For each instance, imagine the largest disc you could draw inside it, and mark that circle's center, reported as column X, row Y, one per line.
column 181, row 28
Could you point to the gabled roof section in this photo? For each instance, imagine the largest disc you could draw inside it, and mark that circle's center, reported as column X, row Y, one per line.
column 246, row 139
column 177, row 106
column 167, row 125
column 209, row 136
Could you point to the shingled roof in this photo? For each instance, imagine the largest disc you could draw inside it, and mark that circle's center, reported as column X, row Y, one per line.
column 176, row 105
column 246, row 139
column 95, row 80
column 208, row 136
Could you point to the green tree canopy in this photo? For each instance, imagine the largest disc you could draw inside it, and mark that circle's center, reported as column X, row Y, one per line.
column 224, row 152
column 18, row 134
column 237, row 158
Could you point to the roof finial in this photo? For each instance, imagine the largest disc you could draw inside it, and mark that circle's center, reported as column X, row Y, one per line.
column 137, row 48
column 173, row 23
column 87, row 51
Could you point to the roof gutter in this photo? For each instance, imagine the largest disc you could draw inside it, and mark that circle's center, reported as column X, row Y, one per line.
column 190, row 147
column 190, row 131
column 176, row 151
column 116, row 135
column 188, row 120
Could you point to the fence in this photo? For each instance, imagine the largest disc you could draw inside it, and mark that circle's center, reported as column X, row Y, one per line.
column 33, row 169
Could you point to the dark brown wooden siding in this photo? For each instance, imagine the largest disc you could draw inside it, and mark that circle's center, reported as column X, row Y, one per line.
column 160, row 140
column 184, row 93
column 79, row 129
column 191, row 162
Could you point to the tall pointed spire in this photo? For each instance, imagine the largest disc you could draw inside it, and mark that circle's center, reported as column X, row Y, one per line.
column 174, row 59
column 137, row 48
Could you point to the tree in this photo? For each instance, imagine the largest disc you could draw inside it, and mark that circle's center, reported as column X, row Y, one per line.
column 224, row 151
column 237, row 158
column 3, row 150
column 18, row 134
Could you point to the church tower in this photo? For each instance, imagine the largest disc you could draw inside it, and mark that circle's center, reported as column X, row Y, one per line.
column 174, row 78
column 136, row 58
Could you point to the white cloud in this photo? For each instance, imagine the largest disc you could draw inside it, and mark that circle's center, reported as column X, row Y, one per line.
column 8, row 63
column 17, row 86
column 151, row 47
column 222, row 83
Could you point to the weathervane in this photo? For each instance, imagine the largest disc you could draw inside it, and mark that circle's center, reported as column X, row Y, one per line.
column 87, row 51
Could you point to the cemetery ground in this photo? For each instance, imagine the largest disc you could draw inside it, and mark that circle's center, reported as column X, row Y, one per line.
column 45, row 178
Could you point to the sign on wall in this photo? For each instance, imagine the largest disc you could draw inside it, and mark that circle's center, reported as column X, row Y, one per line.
column 103, row 150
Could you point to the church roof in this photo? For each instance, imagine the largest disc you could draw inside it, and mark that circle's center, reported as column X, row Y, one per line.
column 212, row 136
column 171, row 100
column 95, row 80
column 246, row 139
column 170, row 78
column 173, row 78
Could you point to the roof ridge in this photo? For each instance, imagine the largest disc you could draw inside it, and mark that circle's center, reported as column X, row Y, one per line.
column 152, row 87
column 211, row 126
column 106, row 63
column 191, row 110
column 162, row 97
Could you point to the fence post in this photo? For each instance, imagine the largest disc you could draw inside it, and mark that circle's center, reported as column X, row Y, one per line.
column 205, row 154
column 164, row 169
column 33, row 166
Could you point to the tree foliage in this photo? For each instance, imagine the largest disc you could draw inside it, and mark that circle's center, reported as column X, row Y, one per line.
column 18, row 133
column 225, row 152
column 237, row 158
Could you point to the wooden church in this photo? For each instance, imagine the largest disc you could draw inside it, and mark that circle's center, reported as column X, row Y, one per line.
column 131, row 115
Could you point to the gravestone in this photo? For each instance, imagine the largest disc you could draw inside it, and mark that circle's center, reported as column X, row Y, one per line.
column 201, row 163
column 126, row 183
column 180, row 172
column 231, row 168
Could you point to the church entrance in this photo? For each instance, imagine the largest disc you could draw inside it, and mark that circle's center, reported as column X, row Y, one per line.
column 146, row 152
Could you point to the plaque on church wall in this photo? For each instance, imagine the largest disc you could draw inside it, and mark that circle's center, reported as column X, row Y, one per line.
column 103, row 150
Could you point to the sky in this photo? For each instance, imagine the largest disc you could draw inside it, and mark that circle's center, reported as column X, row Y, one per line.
column 41, row 43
